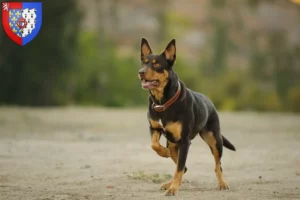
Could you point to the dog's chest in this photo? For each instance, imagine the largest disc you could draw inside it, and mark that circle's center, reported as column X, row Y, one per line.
column 168, row 131
column 161, row 124
column 164, row 132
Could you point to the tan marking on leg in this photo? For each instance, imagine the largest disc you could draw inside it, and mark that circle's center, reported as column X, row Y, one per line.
column 156, row 146
column 173, row 151
column 174, row 156
column 211, row 141
column 175, row 129
column 176, row 183
column 154, row 124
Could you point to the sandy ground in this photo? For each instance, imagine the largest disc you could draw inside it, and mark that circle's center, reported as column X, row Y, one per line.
column 92, row 153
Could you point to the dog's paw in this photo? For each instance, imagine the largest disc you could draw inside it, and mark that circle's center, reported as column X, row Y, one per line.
column 172, row 191
column 223, row 186
column 166, row 186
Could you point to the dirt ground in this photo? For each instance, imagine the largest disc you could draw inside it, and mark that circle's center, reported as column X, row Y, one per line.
column 95, row 153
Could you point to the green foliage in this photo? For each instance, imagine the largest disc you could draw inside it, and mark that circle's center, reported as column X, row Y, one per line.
column 66, row 64
column 235, row 90
column 103, row 78
column 294, row 99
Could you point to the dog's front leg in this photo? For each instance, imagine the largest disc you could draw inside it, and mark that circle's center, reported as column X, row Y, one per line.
column 156, row 146
column 177, row 179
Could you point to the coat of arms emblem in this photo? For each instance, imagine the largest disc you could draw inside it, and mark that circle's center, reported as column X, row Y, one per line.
column 22, row 21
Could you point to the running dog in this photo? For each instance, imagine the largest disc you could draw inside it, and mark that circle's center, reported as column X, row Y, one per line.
column 179, row 114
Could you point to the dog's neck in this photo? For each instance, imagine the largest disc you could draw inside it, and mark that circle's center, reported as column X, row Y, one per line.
column 162, row 95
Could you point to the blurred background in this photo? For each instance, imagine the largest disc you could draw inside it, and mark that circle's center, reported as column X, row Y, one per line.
column 73, row 119
column 244, row 55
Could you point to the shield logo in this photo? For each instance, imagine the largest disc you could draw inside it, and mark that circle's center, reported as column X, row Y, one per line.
column 22, row 21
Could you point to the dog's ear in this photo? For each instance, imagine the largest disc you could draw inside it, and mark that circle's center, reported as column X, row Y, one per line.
column 145, row 48
column 170, row 51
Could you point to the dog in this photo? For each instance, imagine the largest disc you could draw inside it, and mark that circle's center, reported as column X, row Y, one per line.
column 179, row 114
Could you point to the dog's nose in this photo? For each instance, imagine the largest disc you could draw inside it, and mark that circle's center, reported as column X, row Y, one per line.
column 142, row 71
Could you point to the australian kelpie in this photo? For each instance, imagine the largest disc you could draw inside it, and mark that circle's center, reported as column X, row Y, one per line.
column 179, row 114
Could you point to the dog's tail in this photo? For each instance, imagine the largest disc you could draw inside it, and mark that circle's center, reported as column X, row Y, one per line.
column 227, row 144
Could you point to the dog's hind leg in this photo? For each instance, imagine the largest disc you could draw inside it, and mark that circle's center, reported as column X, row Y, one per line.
column 213, row 138
column 173, row 147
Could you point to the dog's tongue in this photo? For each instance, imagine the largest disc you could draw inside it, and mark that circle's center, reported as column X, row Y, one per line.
column 148, row 84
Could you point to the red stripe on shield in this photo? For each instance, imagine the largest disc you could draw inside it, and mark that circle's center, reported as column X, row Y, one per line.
column 5, row 20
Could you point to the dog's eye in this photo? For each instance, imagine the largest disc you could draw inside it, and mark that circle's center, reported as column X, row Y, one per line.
column 146, row 61
column 156, row 65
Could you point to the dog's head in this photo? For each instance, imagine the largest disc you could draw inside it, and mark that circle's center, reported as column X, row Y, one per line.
column 154, row 72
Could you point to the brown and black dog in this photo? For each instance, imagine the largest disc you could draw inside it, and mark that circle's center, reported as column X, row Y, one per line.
column 179, row 114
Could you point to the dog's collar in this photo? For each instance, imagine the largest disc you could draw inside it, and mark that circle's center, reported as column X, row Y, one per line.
column 161, row 108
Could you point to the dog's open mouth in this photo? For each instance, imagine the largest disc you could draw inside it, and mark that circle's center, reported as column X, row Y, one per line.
column 149, row 84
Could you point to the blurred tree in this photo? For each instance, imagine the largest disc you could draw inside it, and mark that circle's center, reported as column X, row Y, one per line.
column 37, row 74
column 220, row 36
column 277, row 64
column 161, row 16
column 249, row 55
column 102, row 77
